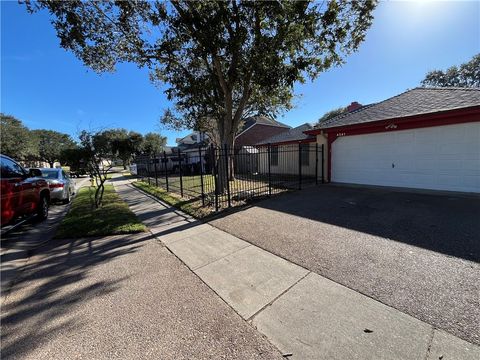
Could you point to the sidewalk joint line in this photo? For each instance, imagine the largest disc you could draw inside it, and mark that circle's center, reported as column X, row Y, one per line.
column 223, row 257
column 188, row 236
column 278, row 296
column 430, row 342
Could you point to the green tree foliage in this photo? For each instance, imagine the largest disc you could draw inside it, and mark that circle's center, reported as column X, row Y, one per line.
column 219, row 59
column 51, row 144
column 97, row 152
column 153, row 143
column 465, row 75
column 124, row 144
column 76, row 158
column 16, row 140
column 331, row 114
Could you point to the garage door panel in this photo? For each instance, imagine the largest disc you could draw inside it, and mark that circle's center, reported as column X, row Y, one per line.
column 440, row 158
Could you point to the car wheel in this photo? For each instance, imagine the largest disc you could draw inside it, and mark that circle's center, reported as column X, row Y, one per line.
column 42, row 210
column 68, row 198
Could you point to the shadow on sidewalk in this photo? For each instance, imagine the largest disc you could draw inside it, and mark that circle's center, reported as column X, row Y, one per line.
column 48, row 288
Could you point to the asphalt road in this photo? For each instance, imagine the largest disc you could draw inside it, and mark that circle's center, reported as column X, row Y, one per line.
column 418, row 253
column 17, row 244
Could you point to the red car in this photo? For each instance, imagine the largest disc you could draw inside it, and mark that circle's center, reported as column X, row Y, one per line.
column 24, row 193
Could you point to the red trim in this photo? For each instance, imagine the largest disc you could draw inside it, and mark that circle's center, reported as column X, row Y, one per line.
column 442, row 118
column 447, row 117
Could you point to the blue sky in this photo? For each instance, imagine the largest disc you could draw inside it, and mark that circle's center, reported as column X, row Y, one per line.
column 47, row 87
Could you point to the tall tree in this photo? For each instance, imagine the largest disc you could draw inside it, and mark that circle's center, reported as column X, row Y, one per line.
column 153, row 143
column 465, row 75
column 124, row 144
column 221, row 60
column 51, row 144
column 15, row 139
column 332, row 113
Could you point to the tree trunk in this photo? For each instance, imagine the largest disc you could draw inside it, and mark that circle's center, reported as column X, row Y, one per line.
column 51, row 164
column 225, row 162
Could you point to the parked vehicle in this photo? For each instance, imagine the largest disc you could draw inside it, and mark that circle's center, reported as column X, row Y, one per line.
column 77, row 172
column 62, row 187
column 24, row 193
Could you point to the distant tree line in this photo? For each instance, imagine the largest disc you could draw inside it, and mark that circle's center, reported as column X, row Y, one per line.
column 21, row 143
column 95, row 152
column 464, row 75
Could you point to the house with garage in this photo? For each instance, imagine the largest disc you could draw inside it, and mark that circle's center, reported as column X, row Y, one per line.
column 424, row 138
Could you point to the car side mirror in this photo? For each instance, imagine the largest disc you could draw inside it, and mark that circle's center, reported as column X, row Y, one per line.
column 34, row 173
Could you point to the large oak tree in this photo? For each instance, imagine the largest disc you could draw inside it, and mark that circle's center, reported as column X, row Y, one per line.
column 220, row 59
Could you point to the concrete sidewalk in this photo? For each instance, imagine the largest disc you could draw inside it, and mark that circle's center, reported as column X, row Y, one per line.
column 302, row 313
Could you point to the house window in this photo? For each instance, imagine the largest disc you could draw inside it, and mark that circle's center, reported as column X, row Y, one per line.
column 305, row 154
column 274, row 155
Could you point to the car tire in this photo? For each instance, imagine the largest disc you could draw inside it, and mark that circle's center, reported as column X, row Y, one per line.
column 42, row 211
column 68, row 198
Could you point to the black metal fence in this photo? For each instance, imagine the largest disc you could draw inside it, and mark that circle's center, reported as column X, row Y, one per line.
column 225, row 177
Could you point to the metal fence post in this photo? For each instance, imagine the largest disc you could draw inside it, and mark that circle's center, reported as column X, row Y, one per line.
column 323, row 163
column 180, row 171
column 155, row 169
column 269, row 170
column 215, row 176
column 316, row 163
column 227, row 163
column 166, row 169
column 299, row 166
column 201, row 175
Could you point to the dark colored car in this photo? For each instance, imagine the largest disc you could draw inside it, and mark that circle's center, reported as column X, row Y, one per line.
column 24, row 193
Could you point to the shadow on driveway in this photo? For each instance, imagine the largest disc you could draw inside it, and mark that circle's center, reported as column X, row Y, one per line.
column 444, row 223
column 416, row 252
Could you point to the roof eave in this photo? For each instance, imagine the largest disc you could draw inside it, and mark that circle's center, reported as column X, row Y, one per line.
column 471, row 110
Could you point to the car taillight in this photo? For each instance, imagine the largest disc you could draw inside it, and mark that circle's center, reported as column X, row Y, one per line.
column 52, row 186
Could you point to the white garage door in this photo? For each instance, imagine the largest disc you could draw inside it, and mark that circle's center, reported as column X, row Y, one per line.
column 440, row 158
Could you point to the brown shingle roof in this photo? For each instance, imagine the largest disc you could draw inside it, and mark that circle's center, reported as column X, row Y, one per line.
column 412, row 102
column 262, row 120
column 295, row 134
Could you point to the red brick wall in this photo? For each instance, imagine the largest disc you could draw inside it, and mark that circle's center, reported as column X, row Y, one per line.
column 258, row 133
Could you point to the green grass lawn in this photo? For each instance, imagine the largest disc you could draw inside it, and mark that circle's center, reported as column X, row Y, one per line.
column 192, row 207
column 112, row 218
column 193, row 183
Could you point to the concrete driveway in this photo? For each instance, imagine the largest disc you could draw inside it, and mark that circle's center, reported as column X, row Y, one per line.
column 418, row 253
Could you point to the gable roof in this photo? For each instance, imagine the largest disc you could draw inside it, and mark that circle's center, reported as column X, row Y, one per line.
column 295, row 134
column 260, row 120
column 417, row 101
column 191, row 138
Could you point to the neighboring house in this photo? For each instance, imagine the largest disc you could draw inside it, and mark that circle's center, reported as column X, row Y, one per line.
column 195, row 138
column 256, row 129
column 194, row 147
column 427, row 138
column 289, row 149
